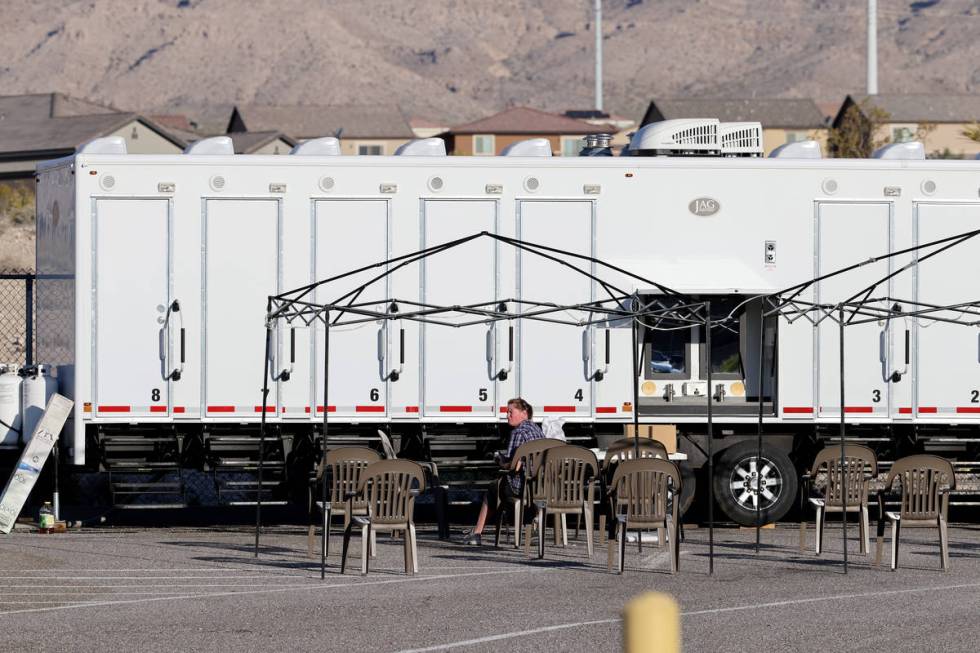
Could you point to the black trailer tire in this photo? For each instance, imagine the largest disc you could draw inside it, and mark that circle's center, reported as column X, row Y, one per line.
column 688, row 486
column 735, row 484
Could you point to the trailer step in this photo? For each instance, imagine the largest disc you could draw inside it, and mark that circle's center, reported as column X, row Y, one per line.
column 149, row 506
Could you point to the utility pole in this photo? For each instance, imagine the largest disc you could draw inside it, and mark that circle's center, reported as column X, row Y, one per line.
column 598, row 55
column 872, row 47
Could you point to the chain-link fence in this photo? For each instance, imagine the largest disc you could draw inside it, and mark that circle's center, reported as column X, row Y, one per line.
column 17, row 297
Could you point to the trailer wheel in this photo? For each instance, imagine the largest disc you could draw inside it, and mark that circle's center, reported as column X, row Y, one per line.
column 735, row 484
column 688, row 487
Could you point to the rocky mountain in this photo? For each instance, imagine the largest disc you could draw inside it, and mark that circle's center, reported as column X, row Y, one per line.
column 455, row 60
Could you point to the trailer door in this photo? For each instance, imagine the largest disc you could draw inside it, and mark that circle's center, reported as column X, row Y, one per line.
column 241, row 270
column 848, row 233
column 458, row 363
column 947, row 360
column 554, row 363
column 133, row 345
column 351, row 234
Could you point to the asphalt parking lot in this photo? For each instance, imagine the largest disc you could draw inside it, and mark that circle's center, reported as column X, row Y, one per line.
column 202, row 588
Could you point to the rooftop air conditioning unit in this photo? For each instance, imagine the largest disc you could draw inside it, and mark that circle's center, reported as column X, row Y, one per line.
column 740, row 138
column 909, row 151
column 797, row 150
column 682, row 137
column 529, row 147
column 422, row 147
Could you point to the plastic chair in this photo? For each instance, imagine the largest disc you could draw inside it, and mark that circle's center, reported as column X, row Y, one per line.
column 346, row 464
column 565, row 479
column 860, row 466
column 640, row 493
column 618, row 451
column 440, row 492
column 388, row 490
column 526, row 460
column 924, row 502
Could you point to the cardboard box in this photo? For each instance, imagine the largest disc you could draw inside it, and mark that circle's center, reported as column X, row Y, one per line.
column 666, row 434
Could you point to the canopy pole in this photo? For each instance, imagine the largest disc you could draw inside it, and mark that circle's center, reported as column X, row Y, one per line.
column 265, row 395
column 843, row 460
column 758, row 458
column 636, row 389
column 323, row 454
column 711, row 462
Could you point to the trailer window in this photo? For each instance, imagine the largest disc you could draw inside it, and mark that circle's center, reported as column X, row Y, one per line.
column 726, row 354
column 666, row 354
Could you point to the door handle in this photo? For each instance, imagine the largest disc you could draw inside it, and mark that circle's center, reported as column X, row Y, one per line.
column 288, row 372
column 174, row 310
column 505, row 371
column 600, row 374
column 395, row 374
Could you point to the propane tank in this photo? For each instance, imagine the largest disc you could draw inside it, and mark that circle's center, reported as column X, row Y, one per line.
column 10, row 415
column 38, row 388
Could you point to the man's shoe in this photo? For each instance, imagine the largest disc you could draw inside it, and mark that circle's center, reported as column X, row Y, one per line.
column 472, row 539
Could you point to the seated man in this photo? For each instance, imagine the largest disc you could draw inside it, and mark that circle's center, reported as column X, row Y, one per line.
column 519, row 414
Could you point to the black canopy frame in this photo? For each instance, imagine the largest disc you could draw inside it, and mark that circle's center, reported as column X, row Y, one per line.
column 660, row 308
column 862, row 307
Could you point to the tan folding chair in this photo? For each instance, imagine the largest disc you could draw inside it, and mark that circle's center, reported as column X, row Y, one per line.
column 388, row 490
column 618, row 451
column 640, row 493
column 345, row 464
column 565, row 478
column 526, row 460
column 926, row 484
column 860, row 466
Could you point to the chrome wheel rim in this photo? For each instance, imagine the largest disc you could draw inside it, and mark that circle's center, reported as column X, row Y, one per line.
column 746, row 490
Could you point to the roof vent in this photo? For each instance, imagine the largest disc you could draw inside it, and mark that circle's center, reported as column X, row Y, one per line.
column 910, row 151
column 740, row 138
column 422, row 147
column 681, row 137
column 214, row 145
column 797, row 150
column 106, row 145
column 326, row 146
column 530, row 147
column 597, row 145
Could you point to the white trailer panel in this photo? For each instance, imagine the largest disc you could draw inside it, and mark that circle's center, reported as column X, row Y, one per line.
column 555, row 365
column 847, row 233
column 350, row 234
column 133, row 347
column 458, row 363
column 241, row 270
column 947, row 361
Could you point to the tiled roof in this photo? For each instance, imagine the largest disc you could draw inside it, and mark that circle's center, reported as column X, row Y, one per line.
column 312, row 121
column 926, row 108
column 248, row 142
column 771, row 112
column 524, row 120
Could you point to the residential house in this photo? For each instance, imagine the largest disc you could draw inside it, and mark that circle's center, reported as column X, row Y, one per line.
column 939, row 120
column 489, row 136
column 784, row 120
column 45, row 126
column 368, row 129
column 261, row 142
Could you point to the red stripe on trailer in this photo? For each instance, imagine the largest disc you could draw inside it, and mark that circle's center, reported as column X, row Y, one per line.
column 798, row 409
column 330, row 409
column 411, row 409
column 221, row 409
column 268, row 409
column 605, row 409
column 558, row 409
column 928, row 409
column 369, row 409
column 905, row 411
column 503, row 409
column 455, row 409
column 968, row 409
column 858, row 409
column 114, row 409
column 307, row 410
column 179, row 409
column 158, row 409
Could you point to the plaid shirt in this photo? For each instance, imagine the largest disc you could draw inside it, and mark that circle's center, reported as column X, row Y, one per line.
column 523, row 432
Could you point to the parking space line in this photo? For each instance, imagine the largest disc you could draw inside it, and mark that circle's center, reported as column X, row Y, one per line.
column 773, row 604
column 311, row 586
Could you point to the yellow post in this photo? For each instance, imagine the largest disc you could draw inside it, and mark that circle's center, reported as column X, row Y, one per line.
column 652, row 624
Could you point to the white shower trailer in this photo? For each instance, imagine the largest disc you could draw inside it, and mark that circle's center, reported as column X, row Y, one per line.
column 154, row 272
